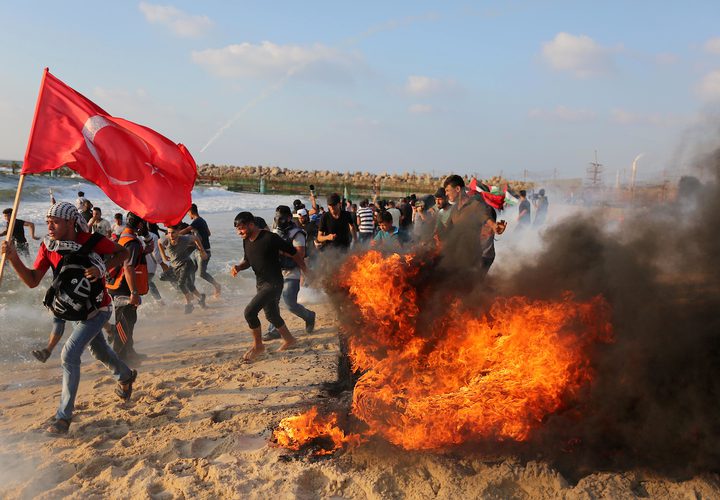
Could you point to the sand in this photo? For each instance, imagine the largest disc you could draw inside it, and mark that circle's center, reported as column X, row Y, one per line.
column 199, row 422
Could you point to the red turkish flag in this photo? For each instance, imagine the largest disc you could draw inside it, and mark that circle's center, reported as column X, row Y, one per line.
column 139, row 169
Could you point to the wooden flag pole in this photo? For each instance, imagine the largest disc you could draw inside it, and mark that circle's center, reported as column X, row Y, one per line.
column 11, row 224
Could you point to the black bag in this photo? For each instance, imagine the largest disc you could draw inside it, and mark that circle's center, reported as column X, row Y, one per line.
column 71, row 295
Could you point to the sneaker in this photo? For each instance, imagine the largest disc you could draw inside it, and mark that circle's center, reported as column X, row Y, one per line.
column 188, row 308
column 310, row 324
column 271, row 335
column 201, row 302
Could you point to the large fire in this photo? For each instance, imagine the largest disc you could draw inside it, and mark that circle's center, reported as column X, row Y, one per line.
column 432, row 380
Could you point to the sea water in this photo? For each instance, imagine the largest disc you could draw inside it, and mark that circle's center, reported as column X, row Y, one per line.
column 25, row 323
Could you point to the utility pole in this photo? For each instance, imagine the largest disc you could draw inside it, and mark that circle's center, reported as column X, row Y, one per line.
column 594, row 173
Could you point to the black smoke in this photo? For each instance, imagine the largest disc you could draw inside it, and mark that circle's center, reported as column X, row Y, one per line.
column 655, row 400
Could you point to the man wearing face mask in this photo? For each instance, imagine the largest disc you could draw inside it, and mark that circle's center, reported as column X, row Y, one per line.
column 286, row 228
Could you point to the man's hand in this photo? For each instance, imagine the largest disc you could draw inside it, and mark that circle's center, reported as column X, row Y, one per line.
column 8, row 248
column 234, row 270
column 134, row 299
column 500, row 227
column 92, row 273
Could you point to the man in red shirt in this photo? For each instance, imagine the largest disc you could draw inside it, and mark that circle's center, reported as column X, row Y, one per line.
column 67, row 230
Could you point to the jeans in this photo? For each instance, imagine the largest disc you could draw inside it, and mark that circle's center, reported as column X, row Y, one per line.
column 202, row 266
column 185, row 272
column 84, row 333
column 290, row 292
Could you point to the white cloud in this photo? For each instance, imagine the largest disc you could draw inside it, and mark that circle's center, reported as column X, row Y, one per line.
column 712, row 46
column 181, row 23
column 421, row 109
column 624, row 117
column 709, row 87
column 269, row 60
column 563, row 114
column 424, row 86
column 579, row 55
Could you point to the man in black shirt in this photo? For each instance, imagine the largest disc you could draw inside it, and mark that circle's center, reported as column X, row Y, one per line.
column 262, row 253
column 18, row 235
column 336, row 226
column 199, row 225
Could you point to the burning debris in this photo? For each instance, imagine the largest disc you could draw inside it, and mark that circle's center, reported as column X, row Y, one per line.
column 319, row 433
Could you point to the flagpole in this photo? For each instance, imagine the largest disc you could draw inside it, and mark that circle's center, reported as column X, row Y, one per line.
column 11, row 224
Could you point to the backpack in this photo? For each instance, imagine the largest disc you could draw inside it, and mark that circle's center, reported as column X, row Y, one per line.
column 116, row 276
column 72, row 296
column 287, row 262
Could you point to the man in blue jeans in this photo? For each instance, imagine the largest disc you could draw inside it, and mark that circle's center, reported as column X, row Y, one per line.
column 290, row 232
column 67, row 231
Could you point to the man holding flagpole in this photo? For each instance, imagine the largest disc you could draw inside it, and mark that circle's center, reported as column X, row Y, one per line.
column 67, row 232
column 135, row 166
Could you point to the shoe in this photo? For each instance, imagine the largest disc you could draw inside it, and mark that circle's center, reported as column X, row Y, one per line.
column 41, row 355
column 201, row 302
column 125, row 394
column 58, row 427
column 188, row 308
column 271, row 335
column 310, row 324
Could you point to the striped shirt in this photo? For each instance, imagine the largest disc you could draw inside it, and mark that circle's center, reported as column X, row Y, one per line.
column 366, row 220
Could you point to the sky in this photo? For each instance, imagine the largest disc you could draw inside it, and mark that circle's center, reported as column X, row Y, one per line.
column 526, row 89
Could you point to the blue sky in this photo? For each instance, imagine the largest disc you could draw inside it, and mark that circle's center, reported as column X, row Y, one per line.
column 467, row 87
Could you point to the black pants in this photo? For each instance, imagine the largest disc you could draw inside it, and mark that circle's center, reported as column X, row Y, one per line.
column 185, row 273
column 267, row 299
column 122, row 338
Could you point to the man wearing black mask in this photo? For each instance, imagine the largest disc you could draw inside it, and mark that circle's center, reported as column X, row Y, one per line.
column 296, row 236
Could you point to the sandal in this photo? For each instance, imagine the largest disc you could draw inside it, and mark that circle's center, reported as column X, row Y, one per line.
column 125, row 393
column 41, row 355
column 58, row 427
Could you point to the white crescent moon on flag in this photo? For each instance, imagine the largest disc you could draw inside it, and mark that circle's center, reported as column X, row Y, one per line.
column 92, row 126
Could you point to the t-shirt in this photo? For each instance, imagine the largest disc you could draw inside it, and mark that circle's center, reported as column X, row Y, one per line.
column 46, row 259
column 524, row 205
column 136, row 250
column 395, row 215
column 180, row 252
column 199, row 225
column 153, row 258
column 387, row 237
column 103, row 227
column 263, row 254
column 339, row 226
column 297, row 241
column 19, row 231
column 367, row 222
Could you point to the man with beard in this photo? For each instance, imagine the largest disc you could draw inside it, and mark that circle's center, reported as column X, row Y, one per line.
column 262, row 251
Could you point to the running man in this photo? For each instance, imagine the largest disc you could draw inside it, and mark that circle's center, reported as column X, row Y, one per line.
column 67, row 231
column 199, row 225
column 177, row 249
column 262, row 253
column 18, row 236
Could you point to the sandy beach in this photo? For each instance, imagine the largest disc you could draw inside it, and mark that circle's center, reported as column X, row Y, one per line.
column 199, row 423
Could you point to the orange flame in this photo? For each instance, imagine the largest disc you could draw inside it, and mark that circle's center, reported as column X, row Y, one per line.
column 310, row 429
column 464, row 375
